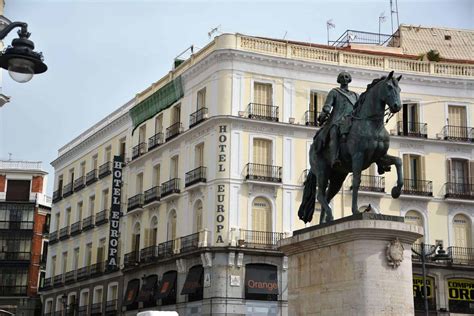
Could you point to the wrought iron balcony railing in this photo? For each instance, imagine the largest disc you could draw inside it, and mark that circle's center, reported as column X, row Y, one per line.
column 13, row 290
column 67, row 190
column 88, row 223
column 83, row 273
column 138, row 150
column 259, row 172
column 58, row 280
column 53, row 237
column 135, row 202
column 459, row 191
column 76, row 228
column 197, row 117
column 412, row 129
column 461, row 255
column 417, row 187
column 148, row 254
column 266, row 112
column 91, row 177
column 169, row 187
column 97, row 269
column 15, row 256
column 189, row 242
column 155, row 141
column 259, row 239
column 131, row 259
column 105, row 169
column 166, row 249
column 311, row 118
column 152, row 195
column 57, row 195
column 102, row 217
column 64, row 233
column 79, row 183
column 173, row 131
column 195, row 176
column 47, row 284
column 370, row 183
column 96, row 309
column 111, row 306
column 458, row 133
column 70, row 277
column 83, row 310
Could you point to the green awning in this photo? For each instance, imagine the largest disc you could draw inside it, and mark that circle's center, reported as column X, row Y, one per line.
column 157, row 102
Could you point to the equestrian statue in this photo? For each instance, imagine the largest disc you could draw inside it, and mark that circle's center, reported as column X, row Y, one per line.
column 352, row 137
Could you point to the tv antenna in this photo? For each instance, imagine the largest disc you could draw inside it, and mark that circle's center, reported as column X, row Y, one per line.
column 394, row 11
column 214, row 30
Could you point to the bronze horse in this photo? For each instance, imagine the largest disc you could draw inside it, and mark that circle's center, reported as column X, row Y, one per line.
column 367, row 142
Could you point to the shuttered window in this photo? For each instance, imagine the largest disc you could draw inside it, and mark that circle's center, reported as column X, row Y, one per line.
column 457, row 115
column 261, row 215
column 462, row 231
column 263, row 93
column 413, row 167
column 201, row 98
column 262, row 151
column 174, row 167
column 316, row 101
column 18, row 190
column 199, row 155
column 171, row 233
column 415, row 218
column 159, row 124
column 198, row 216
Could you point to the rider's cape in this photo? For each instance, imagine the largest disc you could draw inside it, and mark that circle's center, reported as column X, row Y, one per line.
column 339, row 97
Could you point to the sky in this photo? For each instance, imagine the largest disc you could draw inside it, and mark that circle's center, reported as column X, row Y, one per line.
column 101, row 53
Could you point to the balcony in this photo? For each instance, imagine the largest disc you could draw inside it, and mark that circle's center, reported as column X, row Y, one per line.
column 265, row 112
column 64, row 233
column 311, row 118
column 189, row 242
column 197, row 117
column 461, row 255
column 259, row 239
column 88, row 223
column 412, row 129
column 102, row 217
column 45, row 229
column 131, row 259
column 148, row 254
column 458, row 133
column 417, row 187
column 463, row 191
column 97, row 269
column 47, row 284
column 15, row 256
column 53, row 237
column 57, row 195
column 16, row 225
column 58, row 280
column 70, row 277
column 259, row 172
column 83, row 273
column 67, row 190
column 76, row 228
column 79, row 183
column 166, row 249
column 111, row 306
column 96, row 309
column 91, row 177
column 13, row 290
column 83, row 310
column 105, row 170
column 170, row 187
column 138, row 150
column 135, row 202
column 152, row 195
column 195, row 176
column 155, row 141
column 173, row 131
column 370, row 183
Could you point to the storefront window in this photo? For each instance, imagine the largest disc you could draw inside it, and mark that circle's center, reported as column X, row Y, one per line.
column 461, row 296
column 418, row 293
column 261, row 282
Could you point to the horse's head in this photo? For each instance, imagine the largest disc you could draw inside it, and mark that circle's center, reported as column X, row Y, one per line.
column 391, row 93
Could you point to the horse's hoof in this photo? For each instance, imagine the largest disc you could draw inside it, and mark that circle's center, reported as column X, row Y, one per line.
column 396, row 191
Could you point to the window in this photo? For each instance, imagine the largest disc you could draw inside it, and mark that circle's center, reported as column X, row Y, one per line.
column 414, row 172
column 85, row 300
column 174, row 167
column 457, row 116
column 95, row 162
column 263, row 93
column 105, row 199
column 113, row 292
column 76, row 259
column 156, row 175
column 67, row 220
column 101, row 251
column 176, row 114
column 64, row 269
column 88, row 256
column 108, row 154
column 199, row 155
column 261, row 215
column 15, row 247
column 201, row 99
column 83, row 169
column 171, row 227
column 410, row 119
column 415, row 218
column 159, row 124
column 198, row 216
column 122, row 148
column 71, row 175
column 53, row 266
column 57, row 221
column 60, row 183
column 136, row 238
column 18, row 190
column 91, row 205
column 139, row 184
column 458, row 171
column 142, row 134
column 153, row 236
column 98, row 295
column 462, row 231
column 79, row 211
column 49, row 306
column 316, row 101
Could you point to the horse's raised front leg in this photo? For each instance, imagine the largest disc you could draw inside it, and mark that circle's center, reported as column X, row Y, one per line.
column 388, row 160
column 357, row 161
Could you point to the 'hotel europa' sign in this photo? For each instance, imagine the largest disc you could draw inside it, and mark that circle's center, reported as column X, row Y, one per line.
column 112, row 263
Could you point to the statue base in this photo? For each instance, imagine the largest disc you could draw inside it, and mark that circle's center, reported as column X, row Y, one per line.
column 351, row 267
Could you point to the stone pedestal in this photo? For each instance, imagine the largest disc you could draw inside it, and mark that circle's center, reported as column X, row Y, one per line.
column 342, row 268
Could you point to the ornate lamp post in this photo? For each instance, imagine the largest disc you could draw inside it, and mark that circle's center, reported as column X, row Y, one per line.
column 20, row 59
column 441, row 255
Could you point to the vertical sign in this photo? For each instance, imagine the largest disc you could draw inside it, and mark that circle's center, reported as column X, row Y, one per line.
column 112, row 263
column 221, row 188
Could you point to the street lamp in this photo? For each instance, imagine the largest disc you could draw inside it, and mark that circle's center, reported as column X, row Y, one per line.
column 64, row 301
column 20, row 59
column 441, row 255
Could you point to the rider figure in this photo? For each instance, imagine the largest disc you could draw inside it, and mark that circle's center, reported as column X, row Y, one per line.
column 342, row 101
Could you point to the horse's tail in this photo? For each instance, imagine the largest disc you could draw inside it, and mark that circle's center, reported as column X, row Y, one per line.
column 306, row 210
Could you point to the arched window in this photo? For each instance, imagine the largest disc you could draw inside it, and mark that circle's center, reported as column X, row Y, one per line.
column 171, row 227
column 261, row 215
column 198, row 216
column 136, row 238
column 415, row 218
column 462, row 231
